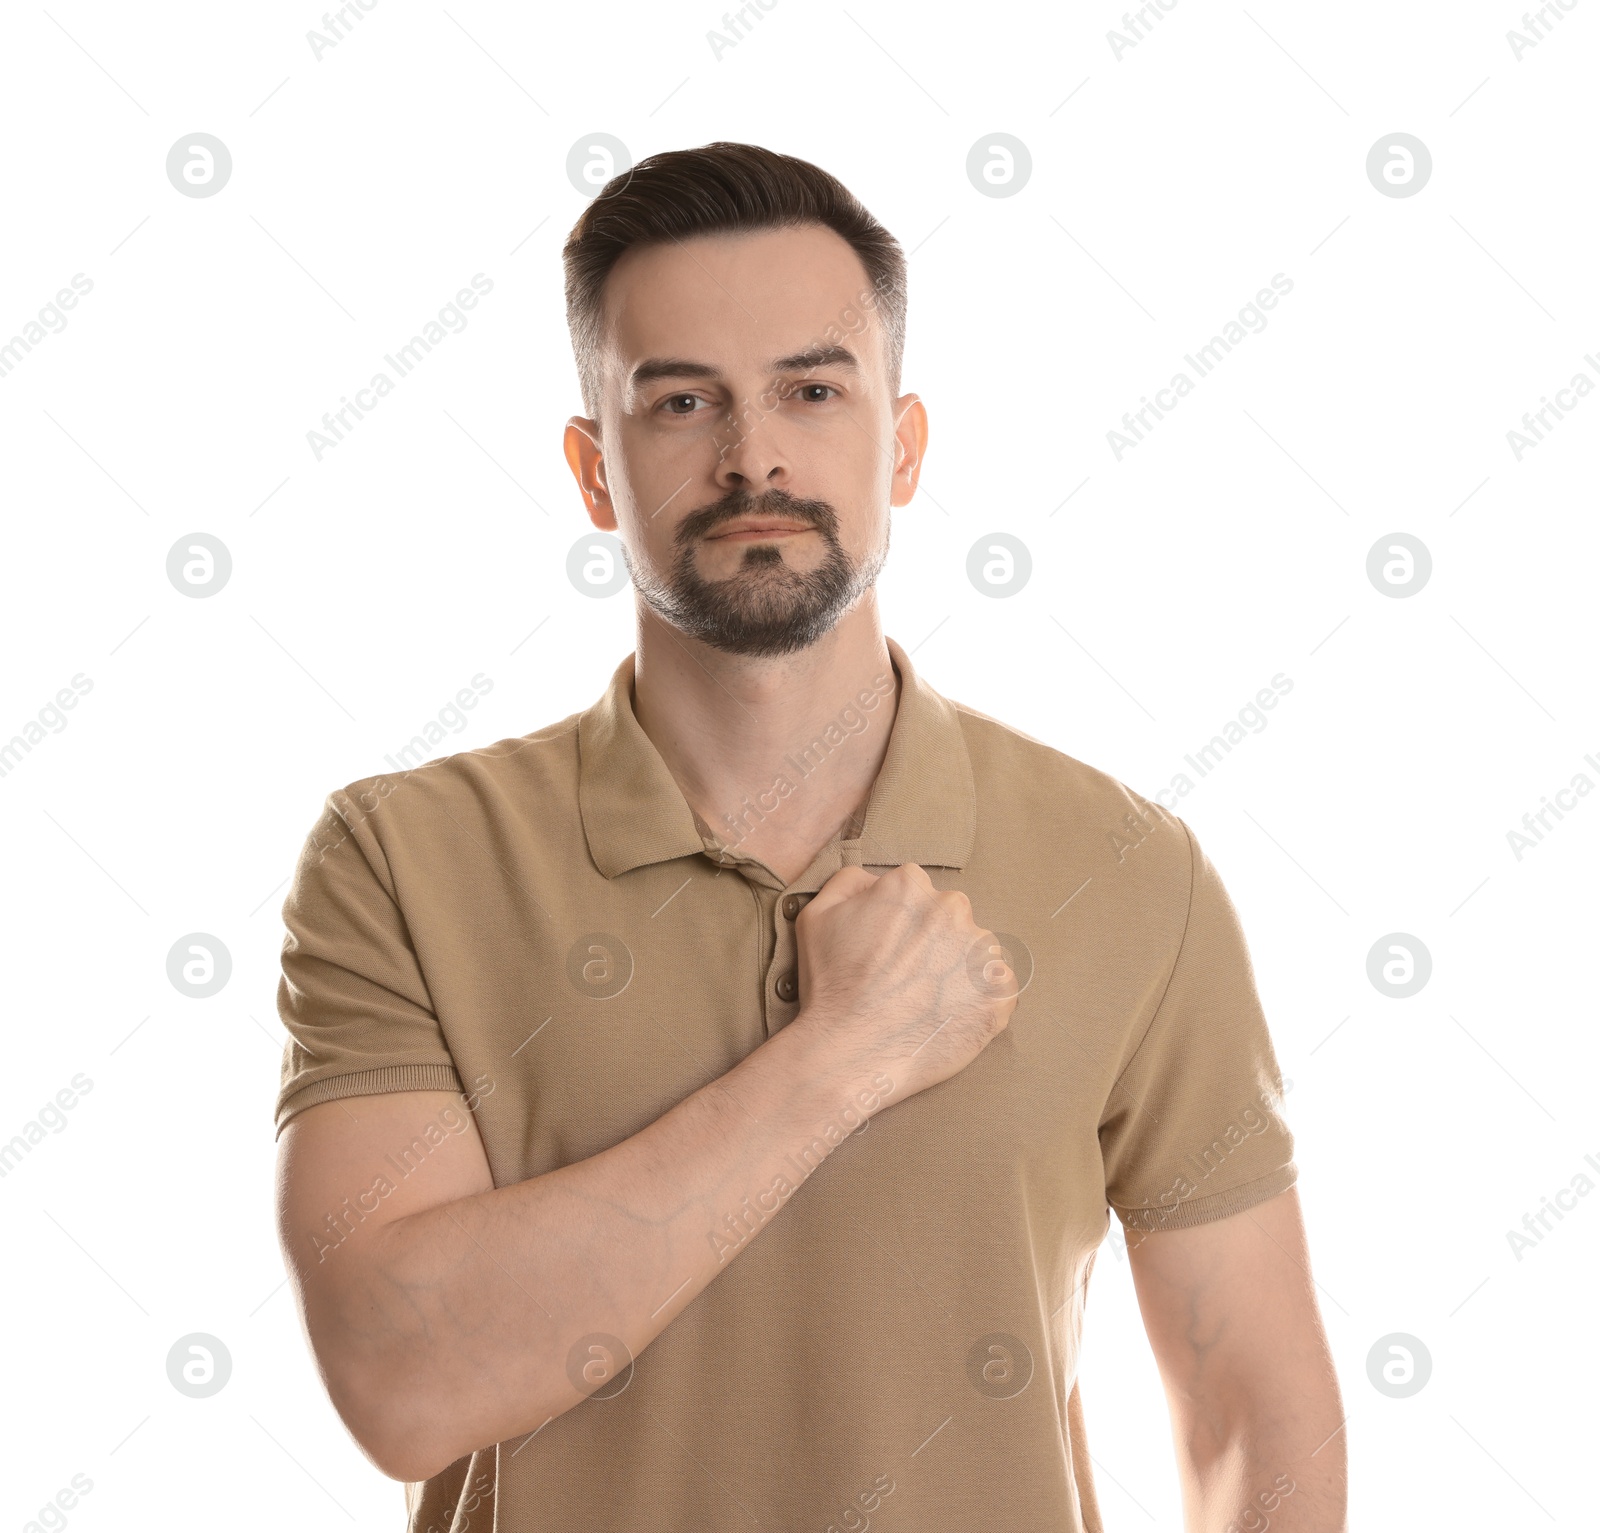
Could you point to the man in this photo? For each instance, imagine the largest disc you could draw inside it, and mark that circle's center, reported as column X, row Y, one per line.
column 703, row 1113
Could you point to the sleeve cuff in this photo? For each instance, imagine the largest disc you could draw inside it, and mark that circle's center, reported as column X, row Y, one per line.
column 363, row 1083
column 1216, row 1205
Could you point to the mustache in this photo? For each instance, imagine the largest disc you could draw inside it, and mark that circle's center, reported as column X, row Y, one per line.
column 776, row 503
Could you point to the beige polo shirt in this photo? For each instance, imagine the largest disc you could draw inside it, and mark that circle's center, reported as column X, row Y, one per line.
column 541, row 925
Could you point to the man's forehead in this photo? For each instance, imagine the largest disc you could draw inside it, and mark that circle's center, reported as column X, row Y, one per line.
column 745, row 301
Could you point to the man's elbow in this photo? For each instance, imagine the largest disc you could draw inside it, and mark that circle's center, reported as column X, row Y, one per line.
column 410, row 1438
column 411, row 1463
column 398, row 1439
column 398, row 1461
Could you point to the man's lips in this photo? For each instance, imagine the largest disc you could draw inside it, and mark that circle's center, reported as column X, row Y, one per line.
column 749, row 531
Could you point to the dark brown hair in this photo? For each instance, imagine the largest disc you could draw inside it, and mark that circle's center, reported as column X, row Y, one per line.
column 719, row 188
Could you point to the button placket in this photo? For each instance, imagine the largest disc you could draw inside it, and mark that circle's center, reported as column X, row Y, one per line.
column 786, row 983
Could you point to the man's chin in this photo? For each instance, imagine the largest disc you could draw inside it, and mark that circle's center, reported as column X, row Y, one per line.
column 755, row 628
column 764, row 608
column 762, row 633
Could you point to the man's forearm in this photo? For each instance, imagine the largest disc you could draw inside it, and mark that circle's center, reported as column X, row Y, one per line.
column 1269, row 1467
column 478, row 1320
column 1230, row 1308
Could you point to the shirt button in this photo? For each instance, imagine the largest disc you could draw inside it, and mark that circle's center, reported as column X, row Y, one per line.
column 793, row 904
column 788, row 986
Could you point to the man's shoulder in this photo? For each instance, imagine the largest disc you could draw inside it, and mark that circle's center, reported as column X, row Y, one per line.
column 1009, row 760
column 541, row 763
column 1049, row 804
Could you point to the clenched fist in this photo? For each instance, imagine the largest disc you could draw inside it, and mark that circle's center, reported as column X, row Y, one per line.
column 896, row 976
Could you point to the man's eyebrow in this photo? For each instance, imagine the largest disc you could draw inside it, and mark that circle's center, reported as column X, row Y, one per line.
column 818, row 356
column 654, row 369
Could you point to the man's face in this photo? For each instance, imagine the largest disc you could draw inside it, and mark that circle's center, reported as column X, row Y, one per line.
column 748, row 450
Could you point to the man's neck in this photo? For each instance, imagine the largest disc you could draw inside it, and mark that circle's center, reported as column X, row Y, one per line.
column 746, row 738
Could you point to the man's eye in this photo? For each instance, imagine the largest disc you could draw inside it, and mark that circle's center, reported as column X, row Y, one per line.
column 828, row 387
column 678, row 399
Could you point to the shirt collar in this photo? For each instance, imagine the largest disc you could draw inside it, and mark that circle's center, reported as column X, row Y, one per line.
column 922, row 808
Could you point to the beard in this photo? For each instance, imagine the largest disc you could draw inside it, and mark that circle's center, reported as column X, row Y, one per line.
column 765, row 607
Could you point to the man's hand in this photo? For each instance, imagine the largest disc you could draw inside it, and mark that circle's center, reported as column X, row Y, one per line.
column 1231, row 1312
column 895, row 975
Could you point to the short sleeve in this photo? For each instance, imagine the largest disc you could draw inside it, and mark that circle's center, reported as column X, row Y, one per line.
column 1193, row 1130
column 351, row 995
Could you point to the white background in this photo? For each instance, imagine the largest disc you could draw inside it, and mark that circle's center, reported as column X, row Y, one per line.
column 1168, row 185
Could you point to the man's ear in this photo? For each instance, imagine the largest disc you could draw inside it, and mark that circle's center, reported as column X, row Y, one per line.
column 911, row 446
column 581, row 444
